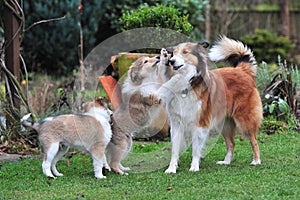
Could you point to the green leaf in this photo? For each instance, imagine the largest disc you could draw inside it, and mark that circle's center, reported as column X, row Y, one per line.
column 283, row 106
column 271, row 108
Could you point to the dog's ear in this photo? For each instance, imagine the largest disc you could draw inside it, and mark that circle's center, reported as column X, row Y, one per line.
column 135, row 69
column 203, row 43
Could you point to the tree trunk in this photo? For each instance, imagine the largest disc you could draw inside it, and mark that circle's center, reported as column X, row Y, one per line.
column 207, row 21
column 12, row 60
column 285, row 17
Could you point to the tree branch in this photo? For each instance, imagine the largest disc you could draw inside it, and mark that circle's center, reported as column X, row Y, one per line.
column 18, row 87
column 44, row 21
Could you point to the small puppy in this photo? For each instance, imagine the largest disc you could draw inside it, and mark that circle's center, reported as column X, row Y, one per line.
column 90, row 131
column 136, row 114
column 144, row 77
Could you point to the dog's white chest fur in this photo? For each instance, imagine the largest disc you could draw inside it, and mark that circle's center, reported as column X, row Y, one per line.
column 182, row 104
column 104, row 121
column 183, row 108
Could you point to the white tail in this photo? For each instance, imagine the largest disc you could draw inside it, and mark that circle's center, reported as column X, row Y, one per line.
column 233, row 52
column 27, row 123
column 25, row 117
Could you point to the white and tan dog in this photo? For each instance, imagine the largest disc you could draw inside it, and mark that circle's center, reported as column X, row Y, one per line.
column 198, row 99
column 90, row 132
column 136, row 113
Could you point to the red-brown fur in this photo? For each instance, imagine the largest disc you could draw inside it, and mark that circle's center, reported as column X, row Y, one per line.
column 236, row 87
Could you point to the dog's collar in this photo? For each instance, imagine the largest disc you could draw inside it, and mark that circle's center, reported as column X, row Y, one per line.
column 184, row 92
column 194, row 81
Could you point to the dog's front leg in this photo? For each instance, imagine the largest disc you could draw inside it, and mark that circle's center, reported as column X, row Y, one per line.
column 199, row 137
column 176, row 145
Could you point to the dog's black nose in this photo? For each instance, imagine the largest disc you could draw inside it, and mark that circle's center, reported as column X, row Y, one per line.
column 172, row 61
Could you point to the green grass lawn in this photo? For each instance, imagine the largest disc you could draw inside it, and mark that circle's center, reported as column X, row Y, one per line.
column 277, row 178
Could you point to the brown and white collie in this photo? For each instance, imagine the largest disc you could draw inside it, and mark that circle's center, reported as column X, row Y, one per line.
column 199, row 99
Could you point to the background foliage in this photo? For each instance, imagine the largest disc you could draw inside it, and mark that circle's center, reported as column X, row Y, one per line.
column 53, row 47
column 267, row 46
column 156, row 16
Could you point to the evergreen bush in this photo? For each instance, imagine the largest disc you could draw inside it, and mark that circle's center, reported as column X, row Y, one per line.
column 268, row 46
column 156, row 16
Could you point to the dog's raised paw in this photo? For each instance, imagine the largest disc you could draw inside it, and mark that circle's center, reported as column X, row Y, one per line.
column 164, row 52
column 164, row 56
column 152, row 100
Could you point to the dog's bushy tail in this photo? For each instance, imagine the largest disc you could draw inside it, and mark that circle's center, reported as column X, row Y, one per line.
column 232, row 52
column 27, row 123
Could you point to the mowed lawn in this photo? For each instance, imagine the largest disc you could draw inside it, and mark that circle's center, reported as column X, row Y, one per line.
column 278, row 177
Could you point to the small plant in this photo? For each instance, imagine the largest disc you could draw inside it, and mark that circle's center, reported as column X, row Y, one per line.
column 276, row 105
column 271, row 126
column 279, row 94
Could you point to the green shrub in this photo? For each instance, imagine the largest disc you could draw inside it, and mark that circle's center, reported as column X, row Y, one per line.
column 157, row 16
column 267, row 46
column 110, row 24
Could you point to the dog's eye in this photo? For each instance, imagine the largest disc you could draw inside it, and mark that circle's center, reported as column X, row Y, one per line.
column 185, row 52
column 145, row 61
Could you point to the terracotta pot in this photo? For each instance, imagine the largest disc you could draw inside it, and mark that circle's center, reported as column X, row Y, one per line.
column 112, row 89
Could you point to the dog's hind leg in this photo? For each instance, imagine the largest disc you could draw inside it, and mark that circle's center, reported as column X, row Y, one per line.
column 256, row 157
column 115, row 154
column 228, row 132
column 63, row 149
column 50, row 153
column 198, row 142
column 125, row 169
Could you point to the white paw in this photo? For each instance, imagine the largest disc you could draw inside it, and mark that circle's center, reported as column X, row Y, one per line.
column 194, row 169
column 100, row 176
column 58, row 174
column 107, row 168
column 256, row 162
column 223, row 163
column 48, row 173
column 126, row 169
column 171, row 170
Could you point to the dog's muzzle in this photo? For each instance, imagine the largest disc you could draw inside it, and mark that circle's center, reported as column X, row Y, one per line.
column 157, row 61
column 177, row 67
column 172, row 62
